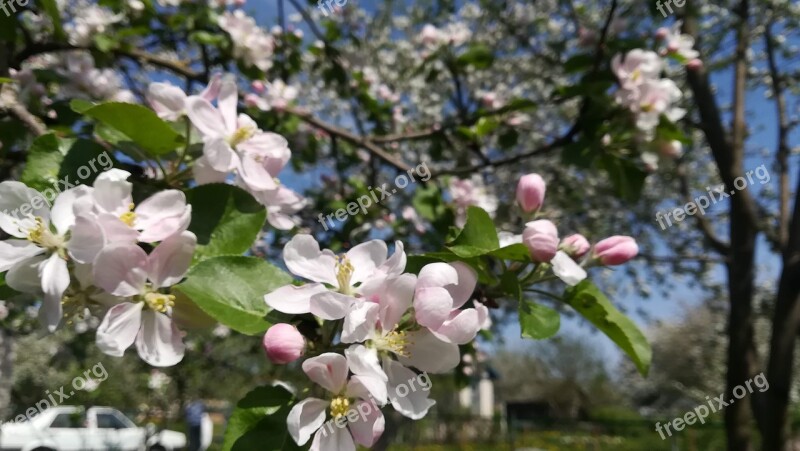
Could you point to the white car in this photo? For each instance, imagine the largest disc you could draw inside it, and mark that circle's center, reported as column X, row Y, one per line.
column 67, row 428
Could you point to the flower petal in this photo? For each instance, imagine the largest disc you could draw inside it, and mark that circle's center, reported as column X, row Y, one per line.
column 366, row 258
column 305, row 418
column 428, row 353
column 360, row 322
column 461, row 328
column 24, row 276
column 304, row 259
column 170, row 261
column 14, row 251
column 330, row 305
column 62, row 216
column 112, row 192
column 363, row 361
column 432, row 306
column 255, row 174
column 467, row 280
column 566, row 269
column 396, row 300
column 368, row 388
column 121, row 269
column 437, row 275
column 206, row 118
column 292, row 299
column 159, row 342
column 220, row 155
column 333, row 438
column 369, row 426
column 119, row 328
column 55, row 281
column 412, row 400
column 328, row 370
column 13, row 196
column 87, row 239
column 227, row 101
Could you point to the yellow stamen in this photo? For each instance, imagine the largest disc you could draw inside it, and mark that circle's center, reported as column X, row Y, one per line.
column 344, row 272
column 396, row 342
column 241, row 135
column 129, row 218
column 339, row 407
column 159, row 302
column 43, row 237
column 636, row 74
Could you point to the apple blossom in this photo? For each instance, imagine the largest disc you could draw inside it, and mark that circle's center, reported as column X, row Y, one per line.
column 541, row 238
column 615, row 250
column 530, row 192
column 575, row 245
column 283, row 343
column 636, row 67
column 125, row 270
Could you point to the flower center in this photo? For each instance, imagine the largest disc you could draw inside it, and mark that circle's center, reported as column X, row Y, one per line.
column 344, row 272
column 43, row 237
column 241, row 135
column 339, row 407
column 394, row 341
column 636, row 74
column 159, row 302
column 129, row 218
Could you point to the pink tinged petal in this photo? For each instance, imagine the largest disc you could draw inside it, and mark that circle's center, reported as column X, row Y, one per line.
column 293, row 300
column 330, row 305
column 467, row 280
column 565, row 268
column 461, row 328
column 366, row 258
column 396, row 300
column 305, row 418
column 360, row 322
column 121, row 269
column 369, row 388
column 62, row 216
column 432, row 306
column 119, row 328
column 170, row 261
column 327, row 370
column 369, row 426
column 206, row 118
column 112, row 192
column 55, row 281
column 14, row 195
column 13, row 252
column 273, row 146
column 363, row 361
column 212, row 90
column 167, row 227
column 167, row 100
column 159, row 342
column 396, row 264
column 255, row 174
column 220, row 155
column 116, row 231
column 428, row 353
column 87, row 240
column 413, row 403
column 162, row 205
column 484, row 318
column 333, row 438
column 304, row 259
column 281, row 221
column 227, row 101
column 437, row 275
column 24, row 276
column 205, row 174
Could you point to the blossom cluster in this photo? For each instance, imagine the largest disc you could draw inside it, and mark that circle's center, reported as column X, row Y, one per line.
column 232, row 145
column 84, row 254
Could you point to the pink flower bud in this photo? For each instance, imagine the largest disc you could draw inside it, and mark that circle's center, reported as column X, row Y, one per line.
column 616, row 250
column 662, row 33
column 694, row 64
column 575, row 245
column 541, row 238
column 258, row 86
column 283, row 344
column 530, row 192
column 251, row 100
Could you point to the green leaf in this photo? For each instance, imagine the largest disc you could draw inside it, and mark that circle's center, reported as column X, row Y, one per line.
column 6, row 292
column 478, row 237
column 593, row 305
column 44, row 162
column 538, row 321
column 80, row 105
column 138, row 123
column 51, row 8
column 517, row 252
column 259, row 421
column 579, row 62
column 225, row 218
column 479, row 56
column 85, row 160
column 231, row 290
